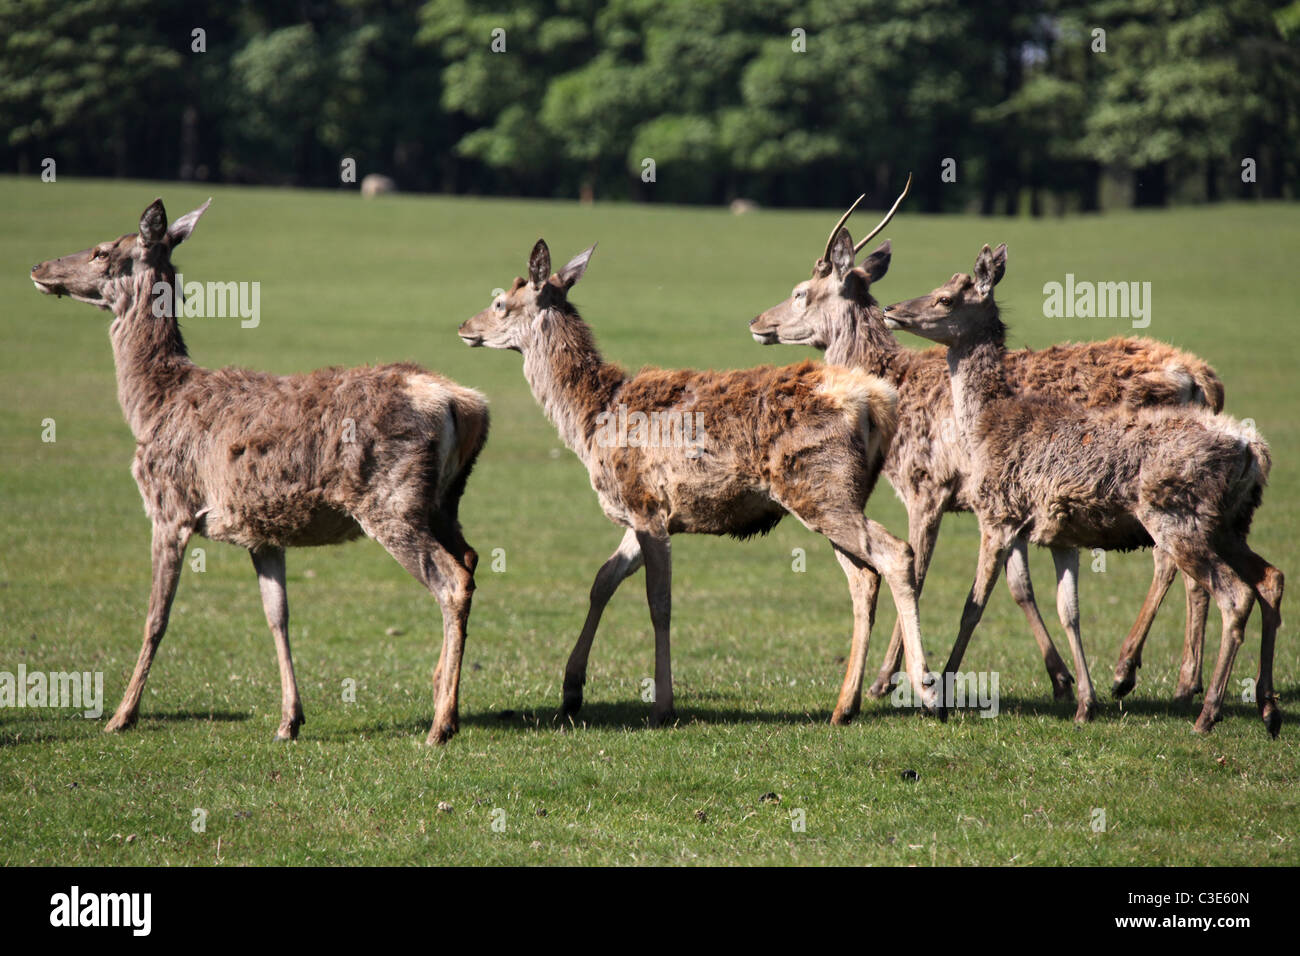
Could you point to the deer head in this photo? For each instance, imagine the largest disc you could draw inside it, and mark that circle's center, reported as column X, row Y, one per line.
column 102, row 273
column 807, row 316
column 512, row 320
column 961, row 309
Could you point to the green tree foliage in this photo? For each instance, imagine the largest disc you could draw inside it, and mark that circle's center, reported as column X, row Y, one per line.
column 786, row 102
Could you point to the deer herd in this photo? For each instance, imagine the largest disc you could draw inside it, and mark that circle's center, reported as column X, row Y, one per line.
column 1119, row 444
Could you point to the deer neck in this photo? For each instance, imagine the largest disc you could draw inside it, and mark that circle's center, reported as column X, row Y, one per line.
column 978, row 379
column 859, row 339
column 148, row 350
column 570, row 379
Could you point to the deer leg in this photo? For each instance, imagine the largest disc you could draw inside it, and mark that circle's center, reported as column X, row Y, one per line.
column 657, row 551
column 1130, row 654
column 1189, row 674
column 864, row 586
column 922, row 533
column 1235, row 598
column 456, row 562
column 169, row 542
column 269, row 564
column 870, row 546
column 1067, row 606
column 1267, row 583
column 446, row 528
column 447, row 576
column 622, row 564
column 993, row 551
column 1022, row 590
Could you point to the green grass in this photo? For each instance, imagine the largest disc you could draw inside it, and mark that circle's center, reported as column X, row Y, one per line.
column 757, row 649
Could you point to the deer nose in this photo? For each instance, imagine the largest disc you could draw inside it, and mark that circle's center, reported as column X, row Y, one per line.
column 754, row 321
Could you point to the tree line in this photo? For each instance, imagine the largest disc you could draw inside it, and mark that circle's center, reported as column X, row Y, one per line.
column 1038, row 106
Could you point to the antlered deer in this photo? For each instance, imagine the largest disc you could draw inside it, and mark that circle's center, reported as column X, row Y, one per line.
column 268, row 462
column 1184, row 479
column 802, row 440
column 927, row 462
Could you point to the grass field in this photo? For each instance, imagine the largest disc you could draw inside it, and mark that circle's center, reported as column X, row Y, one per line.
column 758, row 649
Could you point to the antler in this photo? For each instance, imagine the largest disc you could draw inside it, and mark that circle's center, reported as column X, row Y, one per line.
column 826, row 256
column 883, row 223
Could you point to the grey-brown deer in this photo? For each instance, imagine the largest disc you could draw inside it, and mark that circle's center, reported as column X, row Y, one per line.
column 927, row 462
column 267, row 462
column 802, row 440
column 1185, row 480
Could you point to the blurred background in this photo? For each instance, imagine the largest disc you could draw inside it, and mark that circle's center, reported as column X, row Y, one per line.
column 1023, row 107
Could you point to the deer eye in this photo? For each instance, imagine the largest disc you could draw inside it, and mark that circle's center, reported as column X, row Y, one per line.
column 945, row 300
column 99, row 254
column 499, row 305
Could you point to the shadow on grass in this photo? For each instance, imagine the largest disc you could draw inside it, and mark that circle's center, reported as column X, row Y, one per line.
column 1109, row 709
column 14, row 733
column 634, row 715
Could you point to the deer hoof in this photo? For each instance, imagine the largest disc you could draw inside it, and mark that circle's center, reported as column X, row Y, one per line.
column 1183, row 696
column 843, row 716
column 881, row 688
column 440, row 733
column 1125, row 681
column 1085, row 711
column 664, row 718
column 119, row 723
column 1272, row 715
column 1062, row 687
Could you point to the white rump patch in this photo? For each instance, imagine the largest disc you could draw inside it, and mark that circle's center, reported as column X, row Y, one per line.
column 869, row 403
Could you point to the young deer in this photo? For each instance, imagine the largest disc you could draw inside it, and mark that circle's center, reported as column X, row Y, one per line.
column 802, row 440
column 1184, row 479
column 268, row 462
column 927, row 462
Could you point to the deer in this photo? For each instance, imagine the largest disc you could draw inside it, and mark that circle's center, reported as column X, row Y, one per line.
column 927, row 463
column 268, row 462
column 1185, row 480
column 803, row 440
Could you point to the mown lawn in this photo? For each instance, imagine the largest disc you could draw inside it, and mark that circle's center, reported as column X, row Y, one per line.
column 757, row 647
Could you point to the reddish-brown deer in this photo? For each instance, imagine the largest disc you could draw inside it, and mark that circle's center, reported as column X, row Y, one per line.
column 268, row 462
column 927, row 463
column 801, row 440
column 1185, row 480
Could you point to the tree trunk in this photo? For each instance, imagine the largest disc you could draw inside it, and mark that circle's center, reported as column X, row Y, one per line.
column 1149, row 185
column 1090, row 188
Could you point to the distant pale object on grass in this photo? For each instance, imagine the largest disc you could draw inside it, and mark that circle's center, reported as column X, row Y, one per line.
column 376, row 184
column 741, row 206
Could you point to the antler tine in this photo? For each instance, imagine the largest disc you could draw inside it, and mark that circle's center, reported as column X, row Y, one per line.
column 888, row 216
column 826, row 256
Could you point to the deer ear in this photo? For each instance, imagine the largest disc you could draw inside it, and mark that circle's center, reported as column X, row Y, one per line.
column 572, row 272
column 180, row 230
column 842, row 253
column 876, row 264
column 153, row 223
column 539, row 264
column 990, row 266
